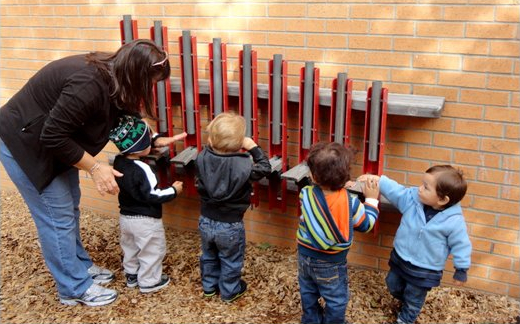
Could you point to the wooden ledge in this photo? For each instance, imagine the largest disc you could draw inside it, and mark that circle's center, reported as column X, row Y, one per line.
column 398, row 104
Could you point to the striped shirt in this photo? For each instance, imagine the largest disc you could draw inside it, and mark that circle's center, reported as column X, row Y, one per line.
column 327, row 222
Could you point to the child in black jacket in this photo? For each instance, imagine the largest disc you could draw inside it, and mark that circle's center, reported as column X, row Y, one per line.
column 140, row 201
column 224, row 176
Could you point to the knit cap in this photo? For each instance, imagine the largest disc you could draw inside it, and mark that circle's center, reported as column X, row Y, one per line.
column 131, row 135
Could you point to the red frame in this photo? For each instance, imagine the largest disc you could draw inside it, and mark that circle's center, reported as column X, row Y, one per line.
column 375, row 167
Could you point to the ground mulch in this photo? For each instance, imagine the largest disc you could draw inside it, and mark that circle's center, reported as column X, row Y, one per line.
column 28, row 294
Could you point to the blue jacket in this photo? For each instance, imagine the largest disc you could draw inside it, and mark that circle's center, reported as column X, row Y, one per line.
column 427, row 245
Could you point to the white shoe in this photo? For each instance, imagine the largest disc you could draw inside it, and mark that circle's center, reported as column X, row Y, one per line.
column 100, row 275
column 95, row 295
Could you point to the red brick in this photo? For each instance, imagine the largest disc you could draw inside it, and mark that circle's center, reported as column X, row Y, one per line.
column 391, row 27
column 488, row 65
column 497, row 31
column 509, row 250
column 464, row 46
column 414, row 76
column 491, row 260
column 500, row 206
column 440, row 29
column 509, row 222
column 460, row 110
column 504, row 48
column 476, row 158
column 500, row 146
column 370, row 11
column 502, row 114
column 485, row 97
column 487, row 285
column 471, row 80
column 347, row 26
column 510, row 277
column 432, row 61
column 469, row 13
column 424, row 12
column 416, row 44
column 484, row 128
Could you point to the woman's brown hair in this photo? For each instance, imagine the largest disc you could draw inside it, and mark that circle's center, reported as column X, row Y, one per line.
column 133, row 70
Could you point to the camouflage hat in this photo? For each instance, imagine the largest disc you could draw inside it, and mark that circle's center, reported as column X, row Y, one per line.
column 131, row 135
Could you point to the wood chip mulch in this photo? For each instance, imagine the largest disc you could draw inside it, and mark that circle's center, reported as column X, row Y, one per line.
column 28, row 293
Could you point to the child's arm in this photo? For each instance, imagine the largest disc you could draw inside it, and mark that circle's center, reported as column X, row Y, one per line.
column 460, row 247
column 165, row 141
column 261, row 166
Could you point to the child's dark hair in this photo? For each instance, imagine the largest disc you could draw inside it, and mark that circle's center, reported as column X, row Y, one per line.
column 450, row 183
column 329, row 164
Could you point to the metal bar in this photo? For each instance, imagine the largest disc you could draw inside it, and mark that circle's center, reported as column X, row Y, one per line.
column 247, row 82
column 277, row 99
column 127, row 28
column 375, row 121
column 161, row 88
column 217, row 76
column 339, row 120
column 188, row 78
column 308, row 105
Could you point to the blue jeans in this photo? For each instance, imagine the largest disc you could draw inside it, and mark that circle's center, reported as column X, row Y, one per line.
column 318, row 278
column 55, row 212
column 410, row 295
column 222, row 259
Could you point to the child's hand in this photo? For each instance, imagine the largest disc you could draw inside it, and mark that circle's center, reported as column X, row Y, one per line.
column 350, row 184
column 178, row 187
column 371, row 187
column 248, row 143
column 179, row 137
column 365, row 177
column 164, row 141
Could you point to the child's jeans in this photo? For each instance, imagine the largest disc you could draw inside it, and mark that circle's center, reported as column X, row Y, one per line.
column 328, row 280
column 222, row 259
column 410, row 295
column 144, row 246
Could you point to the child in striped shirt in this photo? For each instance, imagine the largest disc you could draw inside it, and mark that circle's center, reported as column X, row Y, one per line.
column 329, row 216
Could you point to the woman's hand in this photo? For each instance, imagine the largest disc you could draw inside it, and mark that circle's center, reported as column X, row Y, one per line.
column 104, row 178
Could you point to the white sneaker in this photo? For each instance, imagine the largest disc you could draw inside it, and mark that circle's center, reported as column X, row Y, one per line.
column 95, row 295
column 100, row 275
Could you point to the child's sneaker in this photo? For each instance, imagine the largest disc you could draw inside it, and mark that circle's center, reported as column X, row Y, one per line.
column 95, row 295
column 211, row 293
column 131, row 280
column 243, row 288
column 165, row 280
column 100, row 275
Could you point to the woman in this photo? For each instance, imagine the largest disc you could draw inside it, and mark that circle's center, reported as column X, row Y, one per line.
column 52, row 128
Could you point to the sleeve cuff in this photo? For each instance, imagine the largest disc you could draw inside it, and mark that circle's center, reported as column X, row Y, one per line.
column 372, row 201
column 461, row 275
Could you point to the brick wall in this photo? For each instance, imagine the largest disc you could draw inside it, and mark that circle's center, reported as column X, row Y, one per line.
column 466, row 52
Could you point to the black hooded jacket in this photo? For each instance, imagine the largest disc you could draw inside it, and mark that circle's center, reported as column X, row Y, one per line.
column 224, row 182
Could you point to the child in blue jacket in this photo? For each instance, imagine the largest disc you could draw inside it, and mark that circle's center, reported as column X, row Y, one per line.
column 432, row 227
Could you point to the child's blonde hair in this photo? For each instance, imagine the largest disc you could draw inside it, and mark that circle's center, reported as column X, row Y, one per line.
column 227, row 132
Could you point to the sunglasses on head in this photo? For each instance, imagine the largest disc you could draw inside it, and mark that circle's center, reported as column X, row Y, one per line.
column 163, row 62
